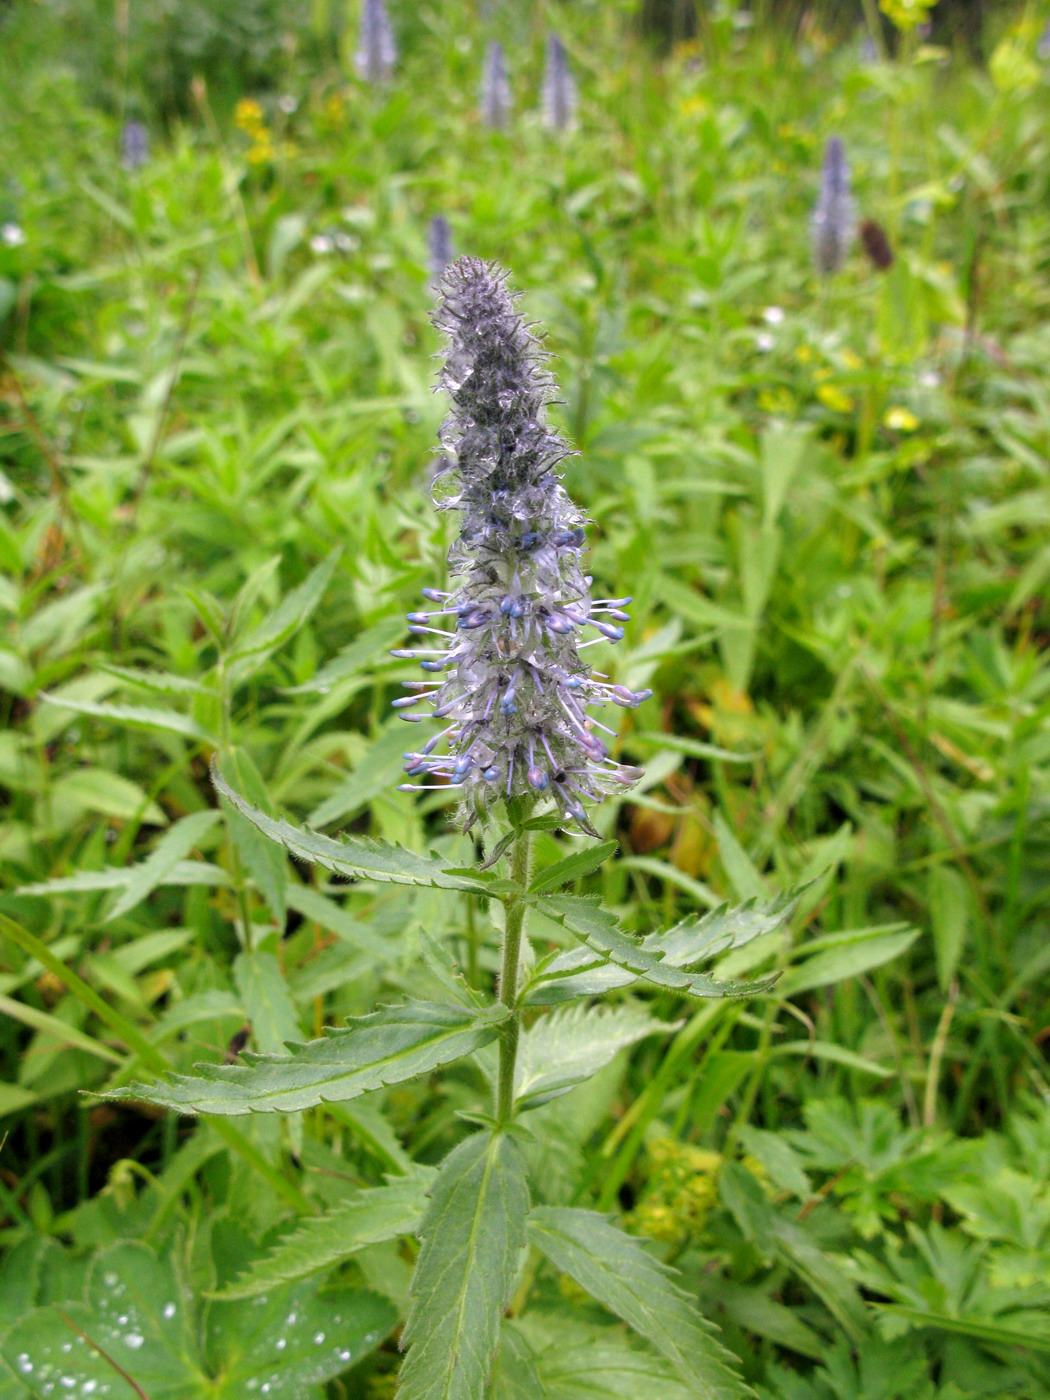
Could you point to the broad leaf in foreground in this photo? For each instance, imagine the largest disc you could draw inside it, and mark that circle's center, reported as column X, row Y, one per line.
column 145, row 1328
column 472, row 1233
column 617, row 1269
column 576, row 1360
column 383, row 1047
column 356, row 857
column 568, row 1046
column 380, row 1213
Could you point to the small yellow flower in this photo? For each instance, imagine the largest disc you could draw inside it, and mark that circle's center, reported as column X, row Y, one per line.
column 248, row 116
column 262, row 150
column 694, row 107
column 906, row 14
column 831, row 396
column 776, row 400
column 851, row 359
column 900, row 420
column 804, row 354
column 334, row 107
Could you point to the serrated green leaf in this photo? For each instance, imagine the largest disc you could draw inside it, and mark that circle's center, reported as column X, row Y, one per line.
column 472, row 1233
column 698, row 939
column 573, row 867
column 355, row 857
column 380, row 1213
column 137, row 716
column 173, row 847
column 566, row 1047
column 383, row 1047
column 599, row 931
column 263, row 860
column 617, row 1270
column 949, row 900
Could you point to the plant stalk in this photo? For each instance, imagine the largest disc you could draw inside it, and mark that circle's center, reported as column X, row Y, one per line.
column 513, row 932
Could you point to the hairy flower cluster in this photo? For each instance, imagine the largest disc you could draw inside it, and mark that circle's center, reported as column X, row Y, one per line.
column 833, row 214
column 503, row 644
column 559, row 89
column 495, row 88
column 376, row 50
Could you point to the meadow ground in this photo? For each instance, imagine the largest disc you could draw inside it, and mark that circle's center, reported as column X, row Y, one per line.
column 829, row 499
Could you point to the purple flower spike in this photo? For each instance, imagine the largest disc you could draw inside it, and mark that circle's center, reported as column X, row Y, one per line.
column 515, row 693
column 495, row 88
column 559, row 89
column 376, row 50
column 833, row 214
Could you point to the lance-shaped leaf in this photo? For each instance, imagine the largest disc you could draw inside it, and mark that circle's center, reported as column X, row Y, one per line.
column 472, row 1234
column 617, row 1269
column 695, row 940
column 381, row 1213
column 383, row 1047
column 356, row 857
column 568, row 1046
column 609, row 945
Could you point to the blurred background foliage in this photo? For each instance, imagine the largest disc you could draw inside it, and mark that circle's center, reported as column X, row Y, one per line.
column 830, row 500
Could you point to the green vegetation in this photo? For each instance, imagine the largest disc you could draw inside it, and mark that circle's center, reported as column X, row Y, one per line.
column 829, row 498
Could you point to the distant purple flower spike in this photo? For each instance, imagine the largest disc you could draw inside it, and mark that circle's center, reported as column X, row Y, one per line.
column 833, row 215
column 515, row 689
column 134, row 145
column 495, row 88
column 376, row 49
column 559, row 89
column 439, row 246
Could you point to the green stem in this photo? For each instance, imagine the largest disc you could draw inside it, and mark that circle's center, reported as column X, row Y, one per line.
column 513, row 932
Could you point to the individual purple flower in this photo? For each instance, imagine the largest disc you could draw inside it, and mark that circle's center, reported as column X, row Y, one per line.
column 559, row 89
column 376, row 49
column 502, row 646
column 495, row 88
column 134, row 145
column 832, row 223
column 439, row 246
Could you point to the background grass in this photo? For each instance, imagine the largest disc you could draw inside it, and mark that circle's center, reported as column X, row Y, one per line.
column 828, row 499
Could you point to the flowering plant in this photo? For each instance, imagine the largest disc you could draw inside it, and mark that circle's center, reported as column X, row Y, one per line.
column 520, row 748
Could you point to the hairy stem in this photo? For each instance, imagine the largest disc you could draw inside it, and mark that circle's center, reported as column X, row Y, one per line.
column 513, row 932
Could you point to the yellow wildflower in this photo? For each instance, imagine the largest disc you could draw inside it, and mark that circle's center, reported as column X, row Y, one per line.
column 694, row 107
column 831, row 396
column 899, row 420
column 248, row 116
column 907, row 14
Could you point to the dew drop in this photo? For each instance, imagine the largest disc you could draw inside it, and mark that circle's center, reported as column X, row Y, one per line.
column 282, row 1342
column 67, row 1346
column 24, row 1364
column 67, row 1381
column 111, row 1280
column 89, row 1387
column 293, row 1318
column 318, row 1338
column 169, row 1310
column 122, row 1320
column 344, row 1356
column 134, row 1340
